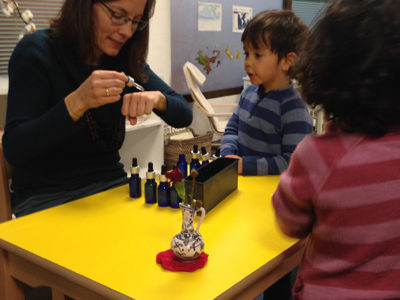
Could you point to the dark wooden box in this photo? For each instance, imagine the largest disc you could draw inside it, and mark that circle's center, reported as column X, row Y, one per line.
column 215, row 182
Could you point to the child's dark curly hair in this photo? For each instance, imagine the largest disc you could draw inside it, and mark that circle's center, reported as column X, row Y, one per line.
column 351, row 65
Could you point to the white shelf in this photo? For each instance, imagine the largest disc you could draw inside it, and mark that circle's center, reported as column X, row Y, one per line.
column 151, row 122
column 145, row 141
column 246, row 82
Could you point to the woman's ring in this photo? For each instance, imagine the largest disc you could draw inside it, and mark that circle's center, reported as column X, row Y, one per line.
column 107, row 92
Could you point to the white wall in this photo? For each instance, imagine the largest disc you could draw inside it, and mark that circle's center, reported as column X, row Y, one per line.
column 159, row 57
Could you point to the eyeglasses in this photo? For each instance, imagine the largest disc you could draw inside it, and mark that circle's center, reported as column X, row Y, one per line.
column 122, row 20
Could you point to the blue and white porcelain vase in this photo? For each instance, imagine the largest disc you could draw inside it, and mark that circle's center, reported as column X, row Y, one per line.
column 188, row 244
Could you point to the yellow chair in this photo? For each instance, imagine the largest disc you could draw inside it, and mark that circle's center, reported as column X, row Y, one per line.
column 193, row 77
column 5, row 198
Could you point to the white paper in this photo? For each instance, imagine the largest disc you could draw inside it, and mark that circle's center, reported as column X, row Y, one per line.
column 241, row 15
column 209, row 16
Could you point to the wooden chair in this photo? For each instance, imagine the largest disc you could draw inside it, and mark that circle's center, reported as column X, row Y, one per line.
column 193, row 77
column 5, row 198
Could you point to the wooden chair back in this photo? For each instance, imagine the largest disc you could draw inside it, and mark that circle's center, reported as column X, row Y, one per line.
column 193, row 77
column 5, row 198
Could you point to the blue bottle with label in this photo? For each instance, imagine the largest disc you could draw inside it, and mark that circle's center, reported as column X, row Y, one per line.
column 195, row 163
column 150, row 187
column 163, row 189
column 135, row 182
column 182, row 164
column 205, row 157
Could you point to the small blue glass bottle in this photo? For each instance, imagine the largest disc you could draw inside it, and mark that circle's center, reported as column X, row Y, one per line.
column 174, row 197
column 135, row 182
column 182, row 164
column 163, row 189
column 150, row 187
column 204, row 156
column 195, row 163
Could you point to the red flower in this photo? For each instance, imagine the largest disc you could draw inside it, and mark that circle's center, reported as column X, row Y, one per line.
column 175, row 175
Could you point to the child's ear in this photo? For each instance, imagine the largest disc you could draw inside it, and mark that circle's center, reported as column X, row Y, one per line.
column 288, row 61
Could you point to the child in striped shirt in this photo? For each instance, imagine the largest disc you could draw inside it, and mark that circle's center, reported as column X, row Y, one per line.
column 342, row 188
column 270, row 119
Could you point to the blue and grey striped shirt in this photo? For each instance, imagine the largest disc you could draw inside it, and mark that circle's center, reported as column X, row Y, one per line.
column 265, row 129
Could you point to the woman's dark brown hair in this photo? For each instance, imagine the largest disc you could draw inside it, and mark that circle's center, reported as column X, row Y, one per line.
column 74, row 28
column 351, row 66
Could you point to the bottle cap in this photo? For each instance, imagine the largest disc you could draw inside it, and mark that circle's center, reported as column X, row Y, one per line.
column 135, row 168
column 204, row 154
column 195, row 152
column 163, row 178
column 150, row 171
column 217, row 153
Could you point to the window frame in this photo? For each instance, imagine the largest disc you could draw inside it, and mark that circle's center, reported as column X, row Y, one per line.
column 10, row 27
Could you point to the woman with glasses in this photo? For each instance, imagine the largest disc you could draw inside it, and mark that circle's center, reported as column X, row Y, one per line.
column 68, row 101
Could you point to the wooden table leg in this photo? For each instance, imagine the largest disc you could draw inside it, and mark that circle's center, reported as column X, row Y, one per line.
column 10, row 289
column 57, row 295
column 18, row 265
column 264, row 277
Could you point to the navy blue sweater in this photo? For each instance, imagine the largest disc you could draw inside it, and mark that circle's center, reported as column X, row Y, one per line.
column 265, row 128
column 48, row 150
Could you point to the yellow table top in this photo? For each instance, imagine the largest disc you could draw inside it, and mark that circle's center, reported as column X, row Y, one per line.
column 113, row 240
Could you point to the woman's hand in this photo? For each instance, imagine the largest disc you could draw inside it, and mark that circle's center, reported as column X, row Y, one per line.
column 137, row 104
column 240, row 162
column 101, row 87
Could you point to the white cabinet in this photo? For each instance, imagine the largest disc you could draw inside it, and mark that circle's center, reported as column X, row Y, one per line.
column 318, row 117
column 145, row 141
column 246, row 82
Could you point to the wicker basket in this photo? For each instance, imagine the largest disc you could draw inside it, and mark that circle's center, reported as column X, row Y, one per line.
column 176, row 147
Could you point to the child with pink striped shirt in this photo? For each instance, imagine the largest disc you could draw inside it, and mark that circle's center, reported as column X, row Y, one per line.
column 342, row 188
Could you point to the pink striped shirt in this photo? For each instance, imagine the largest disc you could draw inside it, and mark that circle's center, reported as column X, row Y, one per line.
column 344, row 191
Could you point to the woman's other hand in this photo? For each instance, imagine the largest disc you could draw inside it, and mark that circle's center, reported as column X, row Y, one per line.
column 137, row 104
column 101, row 87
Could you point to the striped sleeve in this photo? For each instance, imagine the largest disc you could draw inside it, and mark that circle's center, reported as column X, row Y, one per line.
column 292, row 200
column 229, row 141
column 296, row 123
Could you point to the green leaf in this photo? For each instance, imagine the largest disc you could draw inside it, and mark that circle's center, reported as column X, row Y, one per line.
column 180, row 189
